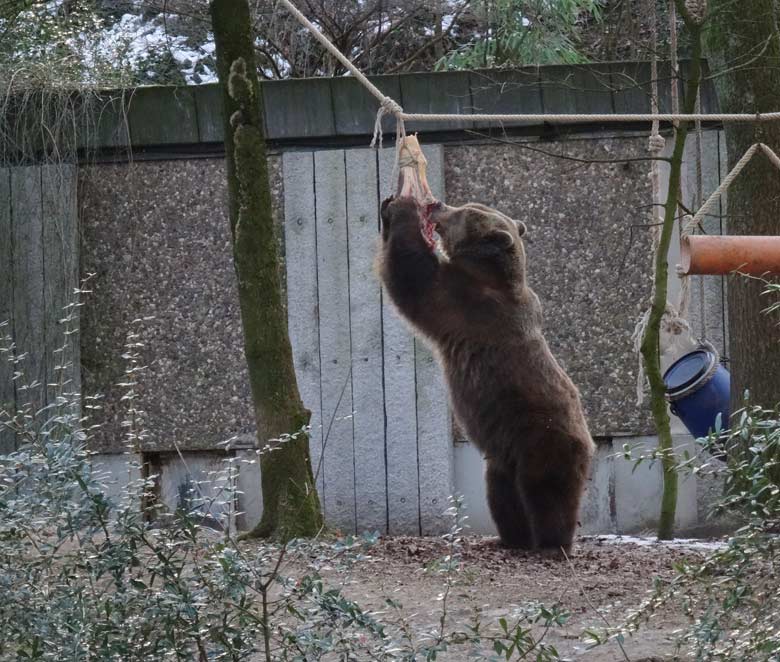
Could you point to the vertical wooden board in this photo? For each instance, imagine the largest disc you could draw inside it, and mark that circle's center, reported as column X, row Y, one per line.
column 434, row 422
column 366, row 331
column 335, row 352
column 445, row 92
column 106, row 124
column 434, row 442
column 354, row 108
column 163, row 116
column 208, row 103
column 400, row 401
column 298, row 108
column 497, row 92
column 301, row 262
column 29, row 320
column 580, row 89
column 7, row 400
column 60, row 273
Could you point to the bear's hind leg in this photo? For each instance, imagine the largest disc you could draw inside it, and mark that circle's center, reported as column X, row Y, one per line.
column 553, row 508
column 506, row 506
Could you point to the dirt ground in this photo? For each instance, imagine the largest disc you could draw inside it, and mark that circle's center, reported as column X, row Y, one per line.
column 607, row 578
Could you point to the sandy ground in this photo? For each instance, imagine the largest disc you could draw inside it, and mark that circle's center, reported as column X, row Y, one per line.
column 605, row 579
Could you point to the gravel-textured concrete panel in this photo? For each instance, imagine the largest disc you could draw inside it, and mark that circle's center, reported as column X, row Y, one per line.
column 157, row 238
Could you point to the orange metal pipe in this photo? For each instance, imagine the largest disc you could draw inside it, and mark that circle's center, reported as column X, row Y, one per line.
column 713, row 255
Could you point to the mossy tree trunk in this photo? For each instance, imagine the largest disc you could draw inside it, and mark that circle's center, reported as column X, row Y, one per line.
column 651, row 350
column 743, row 42
column 291, row 505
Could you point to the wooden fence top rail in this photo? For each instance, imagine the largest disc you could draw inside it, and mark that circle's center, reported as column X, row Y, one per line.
column 334, row 108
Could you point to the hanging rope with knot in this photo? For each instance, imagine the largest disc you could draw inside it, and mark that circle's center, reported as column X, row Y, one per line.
column 387, row 107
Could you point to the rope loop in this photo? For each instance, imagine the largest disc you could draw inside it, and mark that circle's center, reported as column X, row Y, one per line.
column 656, row 143
column 697, row 9
column 388, row 106
column 688, row 224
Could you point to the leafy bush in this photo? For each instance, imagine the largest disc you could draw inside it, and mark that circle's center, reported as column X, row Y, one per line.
column 523, row 32
column 732, row 597
column 84, row 576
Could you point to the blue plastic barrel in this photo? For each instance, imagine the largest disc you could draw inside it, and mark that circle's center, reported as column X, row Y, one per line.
column 698, row 388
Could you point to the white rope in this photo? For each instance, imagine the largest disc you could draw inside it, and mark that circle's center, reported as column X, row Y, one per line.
column 699, row 201
column 387, row 107
column 578, row 118
column 691, row 222
column 655, row 145
column 335, row 52
column 702, row 212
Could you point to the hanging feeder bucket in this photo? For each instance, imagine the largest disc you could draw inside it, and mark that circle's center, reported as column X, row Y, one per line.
column 721, row 255
column 698, row 388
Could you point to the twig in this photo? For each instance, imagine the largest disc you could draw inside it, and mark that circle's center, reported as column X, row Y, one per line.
column 564, row 156
column 590, row 604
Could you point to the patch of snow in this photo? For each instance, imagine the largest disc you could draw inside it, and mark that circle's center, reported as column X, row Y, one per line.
column 649, row 541
column 133, row 39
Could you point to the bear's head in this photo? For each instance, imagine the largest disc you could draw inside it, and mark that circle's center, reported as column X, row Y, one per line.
column 481, row 236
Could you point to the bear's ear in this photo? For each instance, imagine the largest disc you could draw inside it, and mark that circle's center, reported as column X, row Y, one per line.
column 501, row 238
column 521, row 229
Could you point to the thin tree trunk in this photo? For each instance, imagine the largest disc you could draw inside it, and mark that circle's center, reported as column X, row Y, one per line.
column 290, row 503
column 743, row 41
column 651, row 350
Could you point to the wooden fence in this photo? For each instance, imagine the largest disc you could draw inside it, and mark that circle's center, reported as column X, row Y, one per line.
column 381, row 434
column 38, row 276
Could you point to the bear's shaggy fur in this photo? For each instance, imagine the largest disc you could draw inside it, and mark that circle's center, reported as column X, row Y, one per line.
column 507, row 390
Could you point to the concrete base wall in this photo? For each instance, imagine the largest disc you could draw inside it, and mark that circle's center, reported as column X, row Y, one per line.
column 197, row 479
column 619, row 498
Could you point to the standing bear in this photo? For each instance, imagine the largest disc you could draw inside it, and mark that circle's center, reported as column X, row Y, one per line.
column 483, row 321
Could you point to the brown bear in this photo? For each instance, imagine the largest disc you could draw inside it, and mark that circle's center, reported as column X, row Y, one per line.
column 510, row 396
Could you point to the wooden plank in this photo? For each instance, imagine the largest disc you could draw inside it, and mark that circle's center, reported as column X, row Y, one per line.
column 708, row 94
column 632, row 89
column 506, row 92
column 300, row 108
column 441, row 92
column 400, row 401
column 60, row 275
column 7, row 399
column 208, row 101
column 366, row 332
column 301, row 266
column 567, row 89
column 435, row 449
column 355, row 108
column 163, row 116
column 335, row 351
column 105, row 123
column 29, row 320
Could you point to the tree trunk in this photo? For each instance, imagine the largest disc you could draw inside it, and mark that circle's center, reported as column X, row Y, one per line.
column 743, row 42
column 291, row 506
column 651, row 350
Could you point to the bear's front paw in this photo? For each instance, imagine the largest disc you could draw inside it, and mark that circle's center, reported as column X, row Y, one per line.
column 385, row 204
